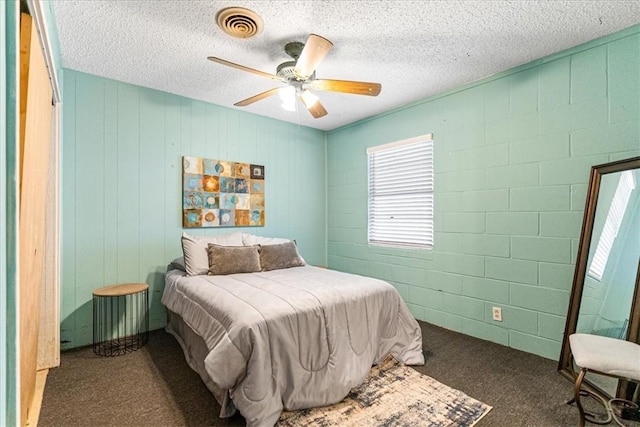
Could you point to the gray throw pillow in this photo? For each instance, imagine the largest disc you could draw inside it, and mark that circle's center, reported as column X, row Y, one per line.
column 233, row 259
column 284, row 255
column 195, row 253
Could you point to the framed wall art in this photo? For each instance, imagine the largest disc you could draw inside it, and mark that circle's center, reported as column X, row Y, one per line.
column 221, row 193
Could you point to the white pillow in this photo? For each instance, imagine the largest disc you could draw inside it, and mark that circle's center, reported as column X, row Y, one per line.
column 251, row 239
column 194, row 248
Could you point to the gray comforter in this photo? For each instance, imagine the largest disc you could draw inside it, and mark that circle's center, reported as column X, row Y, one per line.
column 293, row 338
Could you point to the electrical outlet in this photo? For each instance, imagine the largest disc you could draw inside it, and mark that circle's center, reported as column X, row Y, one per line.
column 497, row 314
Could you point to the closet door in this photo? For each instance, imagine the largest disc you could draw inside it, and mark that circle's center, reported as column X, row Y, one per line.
column 49, row 336
column 35, row 124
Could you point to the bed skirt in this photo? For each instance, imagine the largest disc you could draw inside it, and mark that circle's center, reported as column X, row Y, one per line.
column 195, row 351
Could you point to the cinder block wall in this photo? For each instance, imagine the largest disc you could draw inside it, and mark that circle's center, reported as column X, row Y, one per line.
column 512, row 160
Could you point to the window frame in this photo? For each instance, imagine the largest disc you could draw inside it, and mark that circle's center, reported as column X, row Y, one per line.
column 425, row 201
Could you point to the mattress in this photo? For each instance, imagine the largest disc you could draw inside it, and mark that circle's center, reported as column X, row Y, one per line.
column 291, row 338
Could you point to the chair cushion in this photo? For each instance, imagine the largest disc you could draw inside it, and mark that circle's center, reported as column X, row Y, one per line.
column 609, row 356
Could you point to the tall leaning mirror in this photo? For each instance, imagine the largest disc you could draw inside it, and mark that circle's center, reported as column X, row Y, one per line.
column 605, row 297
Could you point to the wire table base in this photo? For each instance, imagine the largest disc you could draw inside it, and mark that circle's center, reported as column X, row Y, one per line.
column 120, row 318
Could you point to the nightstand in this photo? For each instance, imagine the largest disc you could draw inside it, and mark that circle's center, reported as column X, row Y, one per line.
column 120, row 318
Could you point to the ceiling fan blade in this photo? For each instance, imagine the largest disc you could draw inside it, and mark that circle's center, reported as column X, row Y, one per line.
column 257, row 97
column 346, row 86
column 243, row 68
column 314, row 51
column 316, row 109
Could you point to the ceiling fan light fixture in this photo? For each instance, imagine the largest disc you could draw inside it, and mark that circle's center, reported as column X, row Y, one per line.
column 289, row 106
column 288, row 96
column 309, row 98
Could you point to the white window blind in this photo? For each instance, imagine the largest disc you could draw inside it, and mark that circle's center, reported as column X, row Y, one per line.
column 401, row 193
column 625, row 187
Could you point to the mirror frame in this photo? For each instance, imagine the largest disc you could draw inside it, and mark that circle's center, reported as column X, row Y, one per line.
column 565, row 363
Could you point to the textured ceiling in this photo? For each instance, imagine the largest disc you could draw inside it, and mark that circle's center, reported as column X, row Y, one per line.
column 415, row 49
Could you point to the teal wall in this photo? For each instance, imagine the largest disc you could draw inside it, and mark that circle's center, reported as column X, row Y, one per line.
column 9, row 390
column 512, row 159
column 121, row 186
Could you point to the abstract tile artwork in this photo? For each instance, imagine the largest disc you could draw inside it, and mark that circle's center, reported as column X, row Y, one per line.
column 220, row 193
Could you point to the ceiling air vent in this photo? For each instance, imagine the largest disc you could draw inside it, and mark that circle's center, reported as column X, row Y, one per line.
column 239, row 22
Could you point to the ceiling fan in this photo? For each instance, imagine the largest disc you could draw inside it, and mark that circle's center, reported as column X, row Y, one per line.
column 300, row 77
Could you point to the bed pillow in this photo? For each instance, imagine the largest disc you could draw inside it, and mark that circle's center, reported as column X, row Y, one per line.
column 233, row 259
column 251, row 239
column 177, row 264
column 283, row 255
column 194, row 248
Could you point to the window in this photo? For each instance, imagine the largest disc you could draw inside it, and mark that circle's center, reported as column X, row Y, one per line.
column 401, row 193
column 625, row 187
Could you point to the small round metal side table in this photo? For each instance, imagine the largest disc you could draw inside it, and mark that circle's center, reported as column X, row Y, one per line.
column 120, row 318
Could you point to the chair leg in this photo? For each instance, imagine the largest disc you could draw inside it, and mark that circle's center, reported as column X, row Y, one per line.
column 576, row 395
column 584, row 415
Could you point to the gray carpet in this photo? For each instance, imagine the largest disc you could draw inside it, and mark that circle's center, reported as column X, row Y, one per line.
column 154, row 386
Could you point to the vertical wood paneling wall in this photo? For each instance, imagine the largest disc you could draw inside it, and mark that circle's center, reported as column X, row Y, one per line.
column 512, row 160
column 121, row 186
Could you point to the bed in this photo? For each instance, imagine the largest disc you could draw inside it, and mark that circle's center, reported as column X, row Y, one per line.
column 287, row 337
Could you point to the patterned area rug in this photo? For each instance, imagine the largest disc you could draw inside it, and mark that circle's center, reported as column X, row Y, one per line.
column 394, row 395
